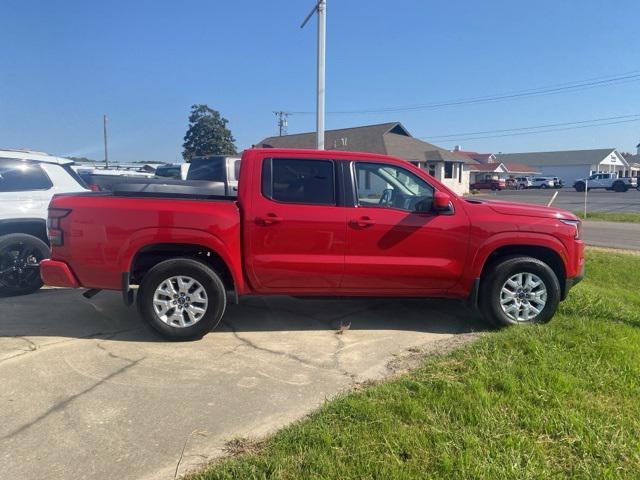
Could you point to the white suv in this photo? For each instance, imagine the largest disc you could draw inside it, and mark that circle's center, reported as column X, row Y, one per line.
column 28, row 180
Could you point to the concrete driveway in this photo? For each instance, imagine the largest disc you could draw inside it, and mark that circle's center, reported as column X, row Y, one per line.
column 88, row 391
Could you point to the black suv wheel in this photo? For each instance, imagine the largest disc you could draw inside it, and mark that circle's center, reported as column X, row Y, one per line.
column 20, row 257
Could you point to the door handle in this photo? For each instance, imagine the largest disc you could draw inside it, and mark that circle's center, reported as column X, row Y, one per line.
column 363, row 222
column 269, row 219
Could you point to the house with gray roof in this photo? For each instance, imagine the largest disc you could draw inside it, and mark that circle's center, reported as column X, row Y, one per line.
column 571, row 165
column 393, row 139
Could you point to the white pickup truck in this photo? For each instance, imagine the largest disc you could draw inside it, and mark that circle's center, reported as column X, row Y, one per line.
column 28, row 181
column 608, row 181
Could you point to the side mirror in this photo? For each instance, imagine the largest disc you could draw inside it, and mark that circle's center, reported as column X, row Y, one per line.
column 441, row 201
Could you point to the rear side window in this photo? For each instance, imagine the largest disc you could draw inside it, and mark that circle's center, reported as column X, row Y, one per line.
column 17, row 176
column 299, row 181
column 210, row 169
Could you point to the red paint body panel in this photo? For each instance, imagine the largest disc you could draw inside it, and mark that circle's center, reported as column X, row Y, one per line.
column 283, row 248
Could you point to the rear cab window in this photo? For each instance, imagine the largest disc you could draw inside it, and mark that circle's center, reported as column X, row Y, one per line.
column 301, row 181
column 20, row 176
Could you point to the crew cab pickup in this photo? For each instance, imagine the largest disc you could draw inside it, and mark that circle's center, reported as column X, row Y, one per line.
column 313, row 223
column 608, row 181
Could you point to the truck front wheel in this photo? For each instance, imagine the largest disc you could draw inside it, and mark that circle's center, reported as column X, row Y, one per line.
column 519, row 290
column 182, row 299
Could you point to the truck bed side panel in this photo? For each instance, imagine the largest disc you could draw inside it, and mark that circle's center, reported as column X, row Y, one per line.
column 103, row 233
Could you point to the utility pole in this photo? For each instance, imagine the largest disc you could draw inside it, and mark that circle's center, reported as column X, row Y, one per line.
column 282, row 122
column 106, row 153
column 321, row 8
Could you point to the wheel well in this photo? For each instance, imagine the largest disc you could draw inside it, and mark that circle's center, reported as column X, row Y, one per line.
column 150, row 256
column 546, row 255
column 36, row 228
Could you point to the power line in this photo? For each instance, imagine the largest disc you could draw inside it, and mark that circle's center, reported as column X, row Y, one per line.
column 575, row 127
column 547, row 125
column 577, row 85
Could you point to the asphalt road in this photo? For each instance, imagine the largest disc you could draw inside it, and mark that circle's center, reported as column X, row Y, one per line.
column 612, row 235
column 569, row 199
column 89, row 392
column 600, row 234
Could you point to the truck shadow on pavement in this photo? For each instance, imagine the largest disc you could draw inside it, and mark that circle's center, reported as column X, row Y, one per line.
column 67, row 314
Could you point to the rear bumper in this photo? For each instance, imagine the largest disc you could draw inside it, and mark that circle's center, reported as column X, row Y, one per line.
column 57, row 274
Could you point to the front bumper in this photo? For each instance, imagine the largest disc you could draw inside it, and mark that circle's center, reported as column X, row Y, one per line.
column 57, row 274
column 572, row 282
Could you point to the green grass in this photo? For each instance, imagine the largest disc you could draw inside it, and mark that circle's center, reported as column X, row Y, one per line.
column 560, row 400
column 624, row 217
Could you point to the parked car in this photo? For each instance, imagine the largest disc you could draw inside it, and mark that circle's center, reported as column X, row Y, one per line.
column 524, row 182
column 543, row 182
column 608, row 181
column 489, row 184
column 27, row 183
column 314, row 223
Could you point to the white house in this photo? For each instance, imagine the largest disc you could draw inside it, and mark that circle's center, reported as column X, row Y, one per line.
column 571, row 165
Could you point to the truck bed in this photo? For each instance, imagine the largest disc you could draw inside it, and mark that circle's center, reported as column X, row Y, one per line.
column 104, row 230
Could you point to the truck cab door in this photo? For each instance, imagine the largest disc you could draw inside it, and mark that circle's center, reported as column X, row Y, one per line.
column 396, row 243
column 296, row 229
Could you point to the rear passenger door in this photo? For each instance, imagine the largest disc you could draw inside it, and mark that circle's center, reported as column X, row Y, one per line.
column 297, row 233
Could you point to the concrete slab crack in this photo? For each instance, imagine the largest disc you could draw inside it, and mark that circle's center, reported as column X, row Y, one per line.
column 61, row 405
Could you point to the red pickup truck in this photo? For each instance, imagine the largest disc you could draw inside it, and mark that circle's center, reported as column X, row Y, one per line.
column 312, row 223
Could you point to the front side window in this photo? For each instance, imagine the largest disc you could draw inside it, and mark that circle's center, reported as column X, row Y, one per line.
column 17, row 176
column 292, row 180
column 391, row 187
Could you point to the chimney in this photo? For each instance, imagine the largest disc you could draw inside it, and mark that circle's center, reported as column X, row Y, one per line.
column 457, row 148
column 638, row 149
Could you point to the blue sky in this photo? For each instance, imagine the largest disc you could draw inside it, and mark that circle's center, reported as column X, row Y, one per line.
column 143, row 62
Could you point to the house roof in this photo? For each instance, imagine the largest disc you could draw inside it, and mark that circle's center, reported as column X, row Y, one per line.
column 520, row 168
column 633, row 159
column 384, row 138
column 487, row 167
column 565, row 157
column 479, row 157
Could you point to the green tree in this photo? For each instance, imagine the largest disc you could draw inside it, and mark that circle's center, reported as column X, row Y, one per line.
column 207, row 134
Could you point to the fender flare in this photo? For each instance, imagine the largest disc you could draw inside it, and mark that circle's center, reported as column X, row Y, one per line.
column 186, row 236
column 515, row 239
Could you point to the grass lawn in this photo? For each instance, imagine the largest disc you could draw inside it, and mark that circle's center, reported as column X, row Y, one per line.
column 556, row 400
column 624, row 217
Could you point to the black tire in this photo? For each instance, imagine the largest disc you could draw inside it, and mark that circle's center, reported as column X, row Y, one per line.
column 201, row 273
column 619, row 187
column 497, row 276
column 579, row 187
column 20, row 255
column 544, row 185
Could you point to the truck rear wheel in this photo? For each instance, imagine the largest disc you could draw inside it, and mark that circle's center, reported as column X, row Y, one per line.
column 182, row 299
column 20, row 256
column 519, row 290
